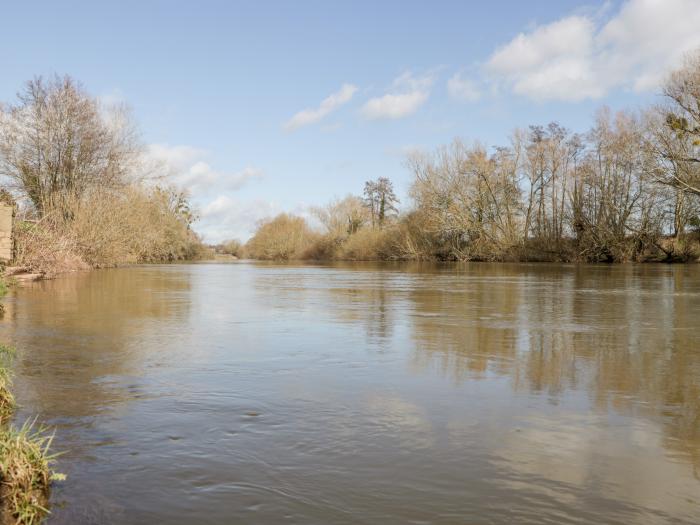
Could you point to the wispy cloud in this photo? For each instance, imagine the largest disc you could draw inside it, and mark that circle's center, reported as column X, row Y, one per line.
column 187, row 168
column 463, row 89
column 407, row 93
column 585, row 56
column 328, row 105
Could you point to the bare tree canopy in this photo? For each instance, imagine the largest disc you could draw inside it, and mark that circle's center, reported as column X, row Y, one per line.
column 676, row 132
column 344, row 217
column 57, row 142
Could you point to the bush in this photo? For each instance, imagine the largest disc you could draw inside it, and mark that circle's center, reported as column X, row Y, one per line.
column 283, row 238
column 109, row 228
column 231, row 247
column 45, row 248
column 368, row 244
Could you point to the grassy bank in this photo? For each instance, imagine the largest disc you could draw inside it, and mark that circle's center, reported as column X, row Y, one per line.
column 25, row 459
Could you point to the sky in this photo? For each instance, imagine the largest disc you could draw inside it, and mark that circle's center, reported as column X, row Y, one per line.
column 268, row 106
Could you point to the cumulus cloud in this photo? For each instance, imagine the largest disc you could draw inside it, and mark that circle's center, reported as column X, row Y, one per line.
column 580, row 57
column 406, row 95
column 327, row 106
column 186, row 167
column 227, row 217
column 463, row 89
column 222, row 214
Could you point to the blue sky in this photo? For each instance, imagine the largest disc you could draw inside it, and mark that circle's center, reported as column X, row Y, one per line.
column 230, row 95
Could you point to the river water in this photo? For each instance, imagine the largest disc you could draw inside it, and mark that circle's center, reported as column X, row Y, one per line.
column 363, row 393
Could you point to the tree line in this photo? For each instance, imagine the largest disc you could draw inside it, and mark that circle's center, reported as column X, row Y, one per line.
column 626, row 190
column 86, row 197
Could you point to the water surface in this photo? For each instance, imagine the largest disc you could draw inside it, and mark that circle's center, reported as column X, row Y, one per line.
column 262, row 393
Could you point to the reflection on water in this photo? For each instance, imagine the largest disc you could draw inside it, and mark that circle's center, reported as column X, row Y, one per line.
column 368, row 393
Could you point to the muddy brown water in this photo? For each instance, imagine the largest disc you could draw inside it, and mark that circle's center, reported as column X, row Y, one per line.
column 363, row 393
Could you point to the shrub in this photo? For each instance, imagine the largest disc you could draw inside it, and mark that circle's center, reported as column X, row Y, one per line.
column 283, row 238
column 109, row 228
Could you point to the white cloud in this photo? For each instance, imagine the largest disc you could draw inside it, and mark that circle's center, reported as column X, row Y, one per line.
column 463, row 89
column 187, row 168
column 227, row 217
column 580, row 57
column 327, row 106
column 406, row 95
column 222, row 215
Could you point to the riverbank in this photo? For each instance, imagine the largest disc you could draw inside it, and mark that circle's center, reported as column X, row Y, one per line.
column 287, row 237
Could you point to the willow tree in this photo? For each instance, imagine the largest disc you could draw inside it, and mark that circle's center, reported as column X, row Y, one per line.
column 57, row 143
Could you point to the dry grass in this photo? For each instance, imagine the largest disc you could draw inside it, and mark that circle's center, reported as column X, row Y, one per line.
column 42, row 247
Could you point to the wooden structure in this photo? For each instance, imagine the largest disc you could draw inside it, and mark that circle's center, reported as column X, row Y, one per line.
column 6, row 216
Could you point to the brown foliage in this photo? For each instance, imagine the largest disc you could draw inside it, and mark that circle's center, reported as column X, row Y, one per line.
column 283, row 238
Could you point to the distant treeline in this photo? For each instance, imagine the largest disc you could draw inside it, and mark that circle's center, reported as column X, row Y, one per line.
column 627, row 190
column 87, row 196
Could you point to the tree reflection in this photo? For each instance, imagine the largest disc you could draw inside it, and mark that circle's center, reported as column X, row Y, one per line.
column 628, row 336
column 76, row 348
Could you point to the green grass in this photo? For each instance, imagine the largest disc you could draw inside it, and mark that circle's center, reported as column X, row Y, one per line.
column 7, row 351
column 4, row 288
column 25, row 460
column 25, row 467
column 7, row 399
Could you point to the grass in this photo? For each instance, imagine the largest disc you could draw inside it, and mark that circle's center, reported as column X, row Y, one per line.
column 7, row 399
column 25, row 460
column 25, row 467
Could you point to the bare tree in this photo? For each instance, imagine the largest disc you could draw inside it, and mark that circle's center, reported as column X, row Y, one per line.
column 549, row 157
column 57, row 142
column 677, row 138
column 343, row 217
column 467, row 200
column 617, row 211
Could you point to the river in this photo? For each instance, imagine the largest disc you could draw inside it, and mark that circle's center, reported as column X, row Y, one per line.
column 366, row 393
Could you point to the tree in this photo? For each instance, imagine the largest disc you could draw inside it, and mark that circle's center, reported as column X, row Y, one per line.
column 57, row 143
column 677, row 140
column 617, row 211
column 380, row 200
column 467, row 200
column 549, row 157
column 343, row 217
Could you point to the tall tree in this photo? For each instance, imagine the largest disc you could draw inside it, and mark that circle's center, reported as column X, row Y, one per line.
column 380, row 200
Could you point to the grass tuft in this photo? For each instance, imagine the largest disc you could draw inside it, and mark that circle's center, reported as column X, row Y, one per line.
column 25, row 470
